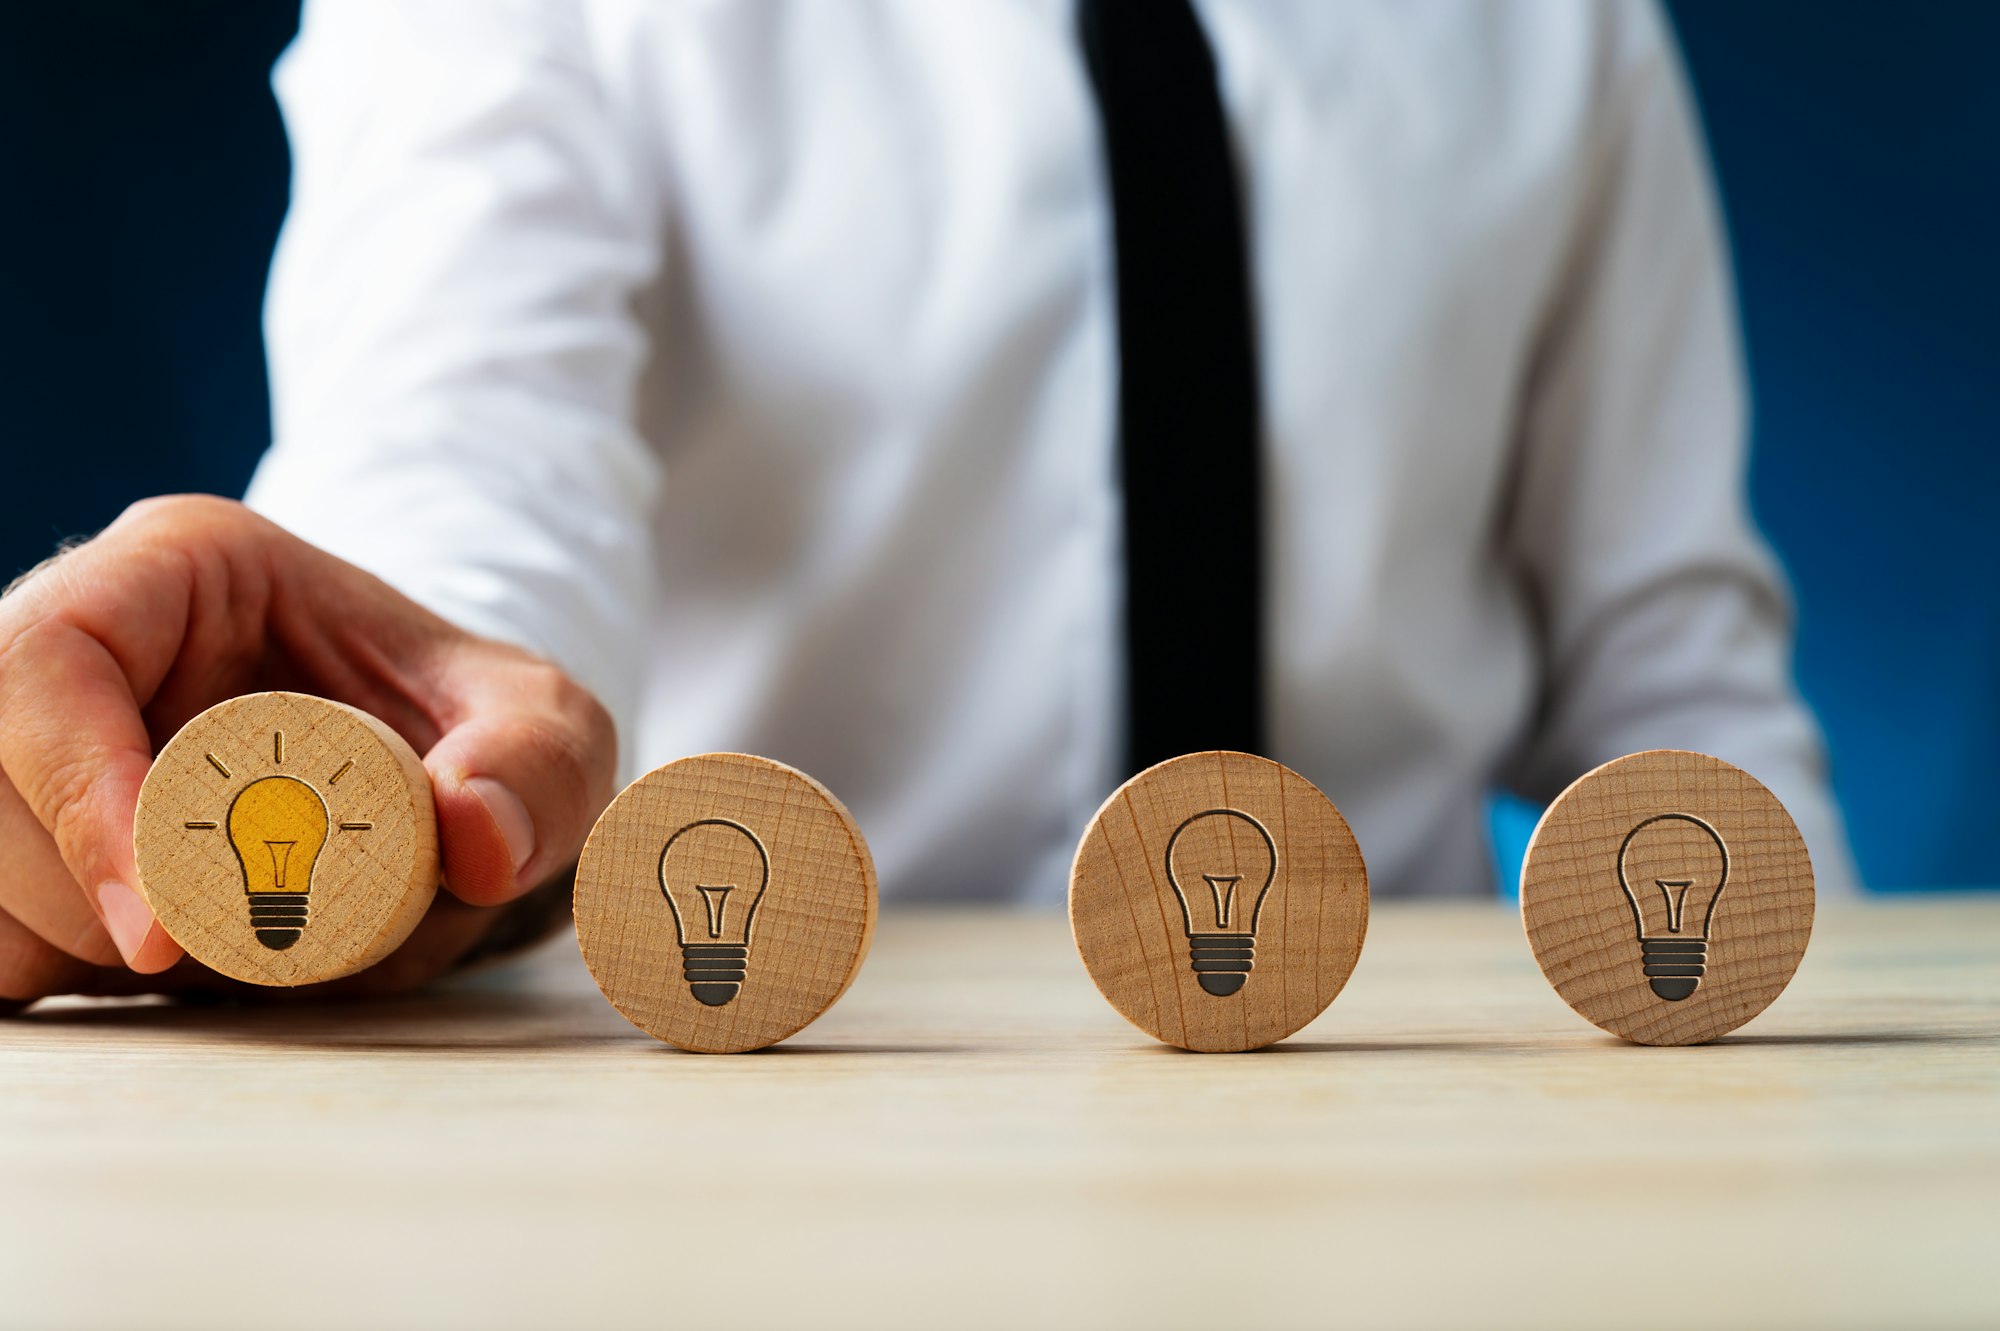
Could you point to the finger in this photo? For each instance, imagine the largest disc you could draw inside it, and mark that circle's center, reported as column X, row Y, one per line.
column 36, row 887
column 76, row 749
column 81, row 647
column 524, row 767
column 186, row 978
column 31, row 969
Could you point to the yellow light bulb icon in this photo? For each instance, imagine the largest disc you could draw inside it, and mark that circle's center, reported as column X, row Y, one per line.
column 277, row 825
column 1220, row 864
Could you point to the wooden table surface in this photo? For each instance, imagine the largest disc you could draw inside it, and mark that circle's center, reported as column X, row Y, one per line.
column 972, row 1138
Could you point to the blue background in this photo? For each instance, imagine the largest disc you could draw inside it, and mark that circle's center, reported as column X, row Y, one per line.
column 1856, row 150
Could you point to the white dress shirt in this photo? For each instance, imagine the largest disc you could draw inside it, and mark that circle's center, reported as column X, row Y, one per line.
column 755, row 360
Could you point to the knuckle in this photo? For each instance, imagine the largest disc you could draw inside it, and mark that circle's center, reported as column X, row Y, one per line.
column 61, row 795
column 591, row 719
column 153, row 506
column 163, row 516
column 175, row 508
column 587, row 742
column 19, row 636
column 577, row 729
column 183, row 523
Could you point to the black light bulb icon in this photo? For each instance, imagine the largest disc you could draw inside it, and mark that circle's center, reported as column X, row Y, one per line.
column 713, row 874
column 1673, row 867
column 1221, row 863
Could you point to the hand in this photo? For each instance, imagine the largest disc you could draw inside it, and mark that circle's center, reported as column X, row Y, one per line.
column 109, row 649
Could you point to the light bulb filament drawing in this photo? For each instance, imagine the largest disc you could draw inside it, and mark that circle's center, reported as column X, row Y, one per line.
column 1226, row 849
column 1685, row 859
column 1675, row 892
column 713, row 898
column 281, row 854
column 713, row 873
column 1223, row 885
column 277, row 825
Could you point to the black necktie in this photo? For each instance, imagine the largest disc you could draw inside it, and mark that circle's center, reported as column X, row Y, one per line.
column 1187, row 392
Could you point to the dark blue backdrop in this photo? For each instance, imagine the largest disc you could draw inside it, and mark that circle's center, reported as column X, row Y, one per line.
column 1856, row 149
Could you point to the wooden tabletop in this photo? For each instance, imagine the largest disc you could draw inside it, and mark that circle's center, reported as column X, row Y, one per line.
column 973, row 1138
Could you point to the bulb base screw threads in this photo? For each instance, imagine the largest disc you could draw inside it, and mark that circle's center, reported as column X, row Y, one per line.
column 714, row 971
column 1674, row 965
column 1221, row 961
column 278, row 918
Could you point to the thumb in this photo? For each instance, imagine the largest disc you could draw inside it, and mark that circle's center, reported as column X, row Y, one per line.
column 524, row 766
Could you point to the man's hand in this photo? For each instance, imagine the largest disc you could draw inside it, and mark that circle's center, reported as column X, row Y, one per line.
column 108, row 650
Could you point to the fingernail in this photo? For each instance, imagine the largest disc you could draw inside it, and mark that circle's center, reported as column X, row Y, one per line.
column 509, row 815
column 127, row 917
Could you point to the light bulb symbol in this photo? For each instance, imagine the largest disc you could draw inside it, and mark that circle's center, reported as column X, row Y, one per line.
column 1673, row 866
column 277, row 825
column 1221, row 863
column 713, row 873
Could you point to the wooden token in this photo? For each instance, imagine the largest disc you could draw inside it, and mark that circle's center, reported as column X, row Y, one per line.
column 1219, row 901
column 284, row 839
column 724, row 902
column 1668, row 897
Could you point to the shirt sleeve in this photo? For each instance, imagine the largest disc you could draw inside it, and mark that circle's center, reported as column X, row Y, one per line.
column 452, row 347
column 1665, row 622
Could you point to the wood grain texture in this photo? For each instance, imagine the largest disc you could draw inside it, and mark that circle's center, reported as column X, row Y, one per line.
column 284, row 839
column 724, row 902
column 972, row 1139
column 1219, row 901
column 1668, row 897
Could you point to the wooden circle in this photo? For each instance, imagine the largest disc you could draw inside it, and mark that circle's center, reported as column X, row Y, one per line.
column 284, row 839
column 723, row 902
column 1219, row 901
column 1668, row 897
